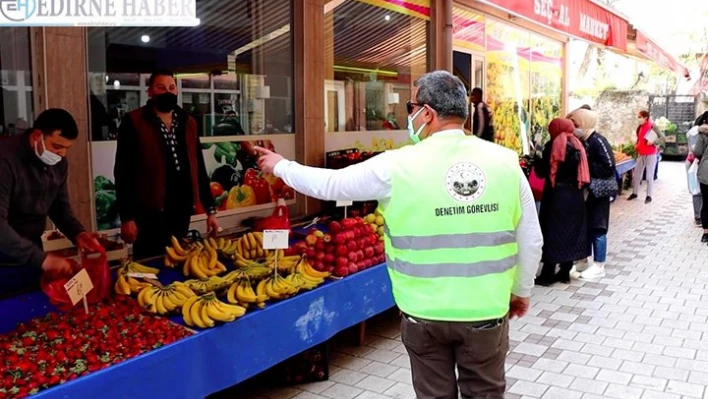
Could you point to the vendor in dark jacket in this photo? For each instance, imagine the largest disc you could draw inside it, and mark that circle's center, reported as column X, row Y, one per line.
column 33, row 174
column 160, row 176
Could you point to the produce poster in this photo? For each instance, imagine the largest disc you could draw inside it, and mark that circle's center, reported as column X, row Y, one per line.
column 236, row 184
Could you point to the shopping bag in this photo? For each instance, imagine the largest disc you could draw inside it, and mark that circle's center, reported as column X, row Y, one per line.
column 693, row 186
column 96, row 266
column 279, row 220
column 536, row 185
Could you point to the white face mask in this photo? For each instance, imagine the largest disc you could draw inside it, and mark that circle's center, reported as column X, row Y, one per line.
column 412, row 133
column 48, row 157
column 579, row 133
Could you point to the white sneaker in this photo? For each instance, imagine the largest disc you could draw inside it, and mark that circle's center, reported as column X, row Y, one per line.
column 594, row 272
column 579, row 267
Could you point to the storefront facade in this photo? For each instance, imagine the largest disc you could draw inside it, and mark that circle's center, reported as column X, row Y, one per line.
column 303, row 76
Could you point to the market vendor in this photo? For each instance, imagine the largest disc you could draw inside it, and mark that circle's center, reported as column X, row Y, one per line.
column 462, row 236
column 161, row 180
column 33, row 175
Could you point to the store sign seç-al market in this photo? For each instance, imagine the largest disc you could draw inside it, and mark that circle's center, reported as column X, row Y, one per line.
column 579, row 18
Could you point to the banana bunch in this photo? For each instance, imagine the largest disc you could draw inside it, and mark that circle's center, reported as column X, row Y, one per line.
column 242, row 292
column 250, row 246
column 206, row 285
column 175, row 254
column 276, row 287
column 306, row 277
column 204, row 311
column 284, row 263
column 252, row 272
column 203, row 263
column 221, row 244
column 306, row 268
column 126, row 285
column 164, row 300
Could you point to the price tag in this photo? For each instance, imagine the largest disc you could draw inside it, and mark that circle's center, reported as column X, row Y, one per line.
column 78, row 286
column 276, row 239
column 344, row 203
column 142, row 275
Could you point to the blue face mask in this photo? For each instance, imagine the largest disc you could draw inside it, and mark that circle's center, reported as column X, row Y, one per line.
column 413, row 134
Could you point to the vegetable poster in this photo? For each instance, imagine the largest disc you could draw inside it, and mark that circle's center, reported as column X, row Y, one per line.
column 235, row 181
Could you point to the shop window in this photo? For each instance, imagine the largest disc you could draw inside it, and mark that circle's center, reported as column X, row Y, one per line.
column 546, row 85
column 234, row 75
column 16, row 101
column 374, row 51
column 236, row 65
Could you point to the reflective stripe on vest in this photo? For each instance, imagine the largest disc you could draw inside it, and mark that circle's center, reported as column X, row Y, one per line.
column 441, row 241
column 474, row 269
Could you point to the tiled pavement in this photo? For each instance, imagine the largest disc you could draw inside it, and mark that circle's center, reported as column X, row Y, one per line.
column 641, row 332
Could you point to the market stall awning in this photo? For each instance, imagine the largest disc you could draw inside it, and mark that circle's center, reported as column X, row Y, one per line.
column 582, row 19
column 649, row 49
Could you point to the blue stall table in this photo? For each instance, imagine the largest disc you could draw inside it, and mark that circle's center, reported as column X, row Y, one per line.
column 622, row 168
column 217, row 358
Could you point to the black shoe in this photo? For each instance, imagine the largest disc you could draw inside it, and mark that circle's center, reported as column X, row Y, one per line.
column 705, row 237
column 631, row 197
column 698, row 222
column 648, row 200
column 563, row 276
column 545, row 281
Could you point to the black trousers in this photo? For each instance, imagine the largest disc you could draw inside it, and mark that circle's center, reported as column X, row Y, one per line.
column 155, row 230
column 704, row 209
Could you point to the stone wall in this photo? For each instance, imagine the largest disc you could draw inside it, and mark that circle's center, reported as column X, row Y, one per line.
column 618, row 114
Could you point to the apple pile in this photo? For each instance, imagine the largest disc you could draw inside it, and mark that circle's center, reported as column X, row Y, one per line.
column 349, row 246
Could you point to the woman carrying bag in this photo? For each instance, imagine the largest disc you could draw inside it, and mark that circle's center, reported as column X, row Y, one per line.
column 603, row 186
column 700, row 153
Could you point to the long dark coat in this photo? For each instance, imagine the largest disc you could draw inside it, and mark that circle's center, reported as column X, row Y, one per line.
column 563, row 215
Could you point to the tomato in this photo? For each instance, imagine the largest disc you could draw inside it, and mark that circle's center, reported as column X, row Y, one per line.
column 216, row 189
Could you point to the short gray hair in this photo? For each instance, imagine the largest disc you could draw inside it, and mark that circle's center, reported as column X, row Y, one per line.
column 443, row 92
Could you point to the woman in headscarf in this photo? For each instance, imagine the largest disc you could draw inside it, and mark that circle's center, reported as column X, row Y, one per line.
column 563, row 218
column 701, row 152
column 601, row 161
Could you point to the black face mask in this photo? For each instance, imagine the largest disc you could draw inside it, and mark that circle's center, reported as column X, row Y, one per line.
column 165, row 102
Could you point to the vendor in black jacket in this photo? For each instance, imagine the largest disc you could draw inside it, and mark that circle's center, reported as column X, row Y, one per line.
column 33, row 174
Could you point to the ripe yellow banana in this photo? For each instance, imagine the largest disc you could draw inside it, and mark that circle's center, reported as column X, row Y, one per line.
column 235, row 310
column 204, row 313
column 159, row 303
column 187, row 309
column 214, row 312
column 195, row 311
column 177, row 247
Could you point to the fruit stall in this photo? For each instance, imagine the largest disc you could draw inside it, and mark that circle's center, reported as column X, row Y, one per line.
column 210, row 314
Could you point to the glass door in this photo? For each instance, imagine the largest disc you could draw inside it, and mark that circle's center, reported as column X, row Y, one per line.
column 462, row 68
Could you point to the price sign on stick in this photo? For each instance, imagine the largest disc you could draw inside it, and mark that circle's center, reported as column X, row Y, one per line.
column 78, row 286
column 344, row 204
column 276, row 239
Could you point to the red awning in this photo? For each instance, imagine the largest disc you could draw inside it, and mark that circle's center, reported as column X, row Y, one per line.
column 651, row 50
column 582, row 19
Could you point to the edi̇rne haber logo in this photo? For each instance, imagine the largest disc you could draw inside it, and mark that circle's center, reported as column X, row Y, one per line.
column 98, row 13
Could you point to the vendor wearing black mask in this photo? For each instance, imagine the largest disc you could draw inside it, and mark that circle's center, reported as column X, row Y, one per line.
column 160, row 176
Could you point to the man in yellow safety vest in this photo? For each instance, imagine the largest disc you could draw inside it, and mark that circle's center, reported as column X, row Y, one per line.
column 463, row 242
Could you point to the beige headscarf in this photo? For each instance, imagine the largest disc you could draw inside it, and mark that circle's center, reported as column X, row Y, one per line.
column 585, row 120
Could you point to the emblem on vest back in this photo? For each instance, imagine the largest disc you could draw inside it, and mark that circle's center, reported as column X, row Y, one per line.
column 465, row 182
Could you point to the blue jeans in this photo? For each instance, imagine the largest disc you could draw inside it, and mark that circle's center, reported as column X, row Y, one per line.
column 598, row 245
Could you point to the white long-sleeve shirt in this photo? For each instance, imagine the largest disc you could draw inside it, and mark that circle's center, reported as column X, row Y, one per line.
column 372, row 180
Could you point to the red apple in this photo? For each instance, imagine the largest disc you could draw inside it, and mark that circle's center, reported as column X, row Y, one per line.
column 373, row 239
column 359, row 255
column 380, row 258
column 368, row 263
column 311, row 253
column 353, row 268
column 334, row 227
column 320, row 256
column 358, row 221
column 369, row 252
column 341, row 250
column 349, row 235
column 341, row 271
column 379, row 248
column 348, row 223
column 329, row 258
column 351, row 245
column 342, row 261
column 319, row 245
column 340, row 237
column 319, row 266
column 328, row 248
column 352, row 256
column 360, row 265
